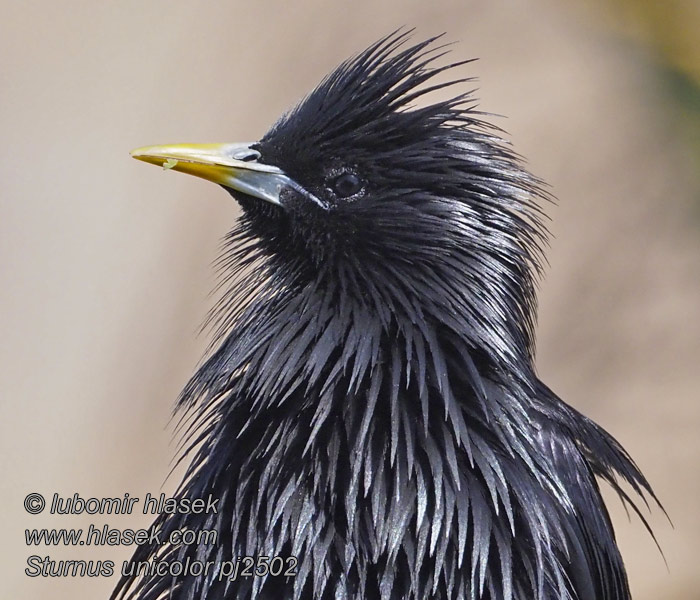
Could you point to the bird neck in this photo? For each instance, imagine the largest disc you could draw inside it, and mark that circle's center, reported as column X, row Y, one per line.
column 314, row 351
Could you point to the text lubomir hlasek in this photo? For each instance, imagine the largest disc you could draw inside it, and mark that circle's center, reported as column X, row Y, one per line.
column 75, row 505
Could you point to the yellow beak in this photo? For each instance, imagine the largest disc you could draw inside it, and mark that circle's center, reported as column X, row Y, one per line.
column 234, row 166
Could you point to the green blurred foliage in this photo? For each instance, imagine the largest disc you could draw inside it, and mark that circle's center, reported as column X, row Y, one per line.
column 670, row 29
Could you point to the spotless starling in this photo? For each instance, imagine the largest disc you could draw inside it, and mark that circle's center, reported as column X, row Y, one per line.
column 369, row 416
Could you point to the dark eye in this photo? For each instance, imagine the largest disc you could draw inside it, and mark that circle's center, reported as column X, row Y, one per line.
column 347, row 184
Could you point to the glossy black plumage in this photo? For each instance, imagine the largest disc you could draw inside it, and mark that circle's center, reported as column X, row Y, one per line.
column 370, row 403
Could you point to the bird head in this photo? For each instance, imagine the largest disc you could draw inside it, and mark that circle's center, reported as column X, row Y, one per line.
column 400, row 205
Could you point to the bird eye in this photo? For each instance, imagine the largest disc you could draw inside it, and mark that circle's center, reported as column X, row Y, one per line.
column 347, row 184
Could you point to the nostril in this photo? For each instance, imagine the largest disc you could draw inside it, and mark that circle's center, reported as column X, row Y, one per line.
column 246, row 155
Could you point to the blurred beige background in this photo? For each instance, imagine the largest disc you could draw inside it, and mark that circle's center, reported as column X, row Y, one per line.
column 105, row 262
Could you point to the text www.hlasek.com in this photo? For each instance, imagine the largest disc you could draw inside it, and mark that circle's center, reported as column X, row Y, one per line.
column 107, row 536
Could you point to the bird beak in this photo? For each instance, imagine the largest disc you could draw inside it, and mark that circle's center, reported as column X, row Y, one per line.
column 234, row 166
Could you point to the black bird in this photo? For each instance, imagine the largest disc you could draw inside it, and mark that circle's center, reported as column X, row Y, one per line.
column 369, row 411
